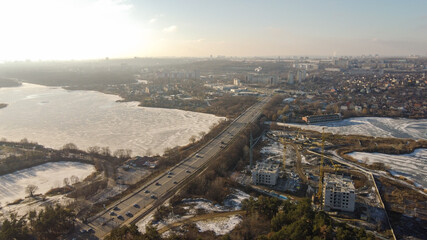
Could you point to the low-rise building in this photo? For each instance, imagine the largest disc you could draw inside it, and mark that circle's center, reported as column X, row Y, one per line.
column 265, row 173
column 338, row 193
column 321, row 118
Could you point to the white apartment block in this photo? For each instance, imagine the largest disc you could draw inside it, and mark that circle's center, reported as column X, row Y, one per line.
column 265, row 173
column 338, row 193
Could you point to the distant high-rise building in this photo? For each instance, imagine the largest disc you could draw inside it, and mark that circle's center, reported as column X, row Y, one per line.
column 290, row 78
column 299, row 76
column 237, row 82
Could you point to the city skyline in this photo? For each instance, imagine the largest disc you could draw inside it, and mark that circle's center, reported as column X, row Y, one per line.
column 53, row 30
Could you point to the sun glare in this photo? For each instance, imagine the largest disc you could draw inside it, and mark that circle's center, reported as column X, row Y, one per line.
column 59, row 30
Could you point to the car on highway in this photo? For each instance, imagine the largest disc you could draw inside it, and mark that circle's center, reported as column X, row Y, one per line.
column 198, row 155
column 169, row 176
column 188, row 171
column 120, row 217
column 170, row 173
column 116, row 208
column 129, row 214
column 158, row 184
column 147, row 191
column 136, row 205
column 175, row 182
column 112, row 213
column 153, row 196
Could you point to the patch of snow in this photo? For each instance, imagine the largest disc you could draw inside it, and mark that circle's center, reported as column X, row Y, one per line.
column 272, row 150
column 304, row 160
column 204, row 204
column 109, row 193
column 412, row 166
column 45, row 177
column 234, row 200
column 33, row 204
column 144, row 222
column 219, row 226
column 372, row 126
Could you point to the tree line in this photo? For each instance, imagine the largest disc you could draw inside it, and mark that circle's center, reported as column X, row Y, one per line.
column 49, row 223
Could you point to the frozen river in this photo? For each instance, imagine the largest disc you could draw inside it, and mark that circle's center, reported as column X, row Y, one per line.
column 373, row 126
column 55, row 116
column 412, row 166
column 45, row 177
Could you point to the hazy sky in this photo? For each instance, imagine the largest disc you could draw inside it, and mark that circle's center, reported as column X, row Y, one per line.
column 81, row 29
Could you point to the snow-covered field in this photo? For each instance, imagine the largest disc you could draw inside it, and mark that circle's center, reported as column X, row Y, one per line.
column 373, row 126
column 45, row 177
column 412, row 166
column 219, row 226
column 33, row 205
column 55, row 116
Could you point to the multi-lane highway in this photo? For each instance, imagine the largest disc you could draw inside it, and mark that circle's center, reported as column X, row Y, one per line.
column 130, row 208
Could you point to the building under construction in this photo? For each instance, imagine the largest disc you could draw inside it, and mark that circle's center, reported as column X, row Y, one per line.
column 338, row 193
column 265, row 173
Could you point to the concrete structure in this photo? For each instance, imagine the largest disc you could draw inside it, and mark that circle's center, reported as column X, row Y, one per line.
column 290, row 78
column 237, row 82
column 321, row 118
column 261, row 79
column 338, row 193
column 265, row 173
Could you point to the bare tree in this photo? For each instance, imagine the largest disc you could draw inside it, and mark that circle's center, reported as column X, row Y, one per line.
column 148, row 152
column 74, row 179
column 128, row 153
column 94, row 150
column 31, row 189
column 66, row 182
column 106, row 151
column 192, row 139
column 69, row 146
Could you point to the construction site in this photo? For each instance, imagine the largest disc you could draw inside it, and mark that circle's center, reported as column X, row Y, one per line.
column 290, row 164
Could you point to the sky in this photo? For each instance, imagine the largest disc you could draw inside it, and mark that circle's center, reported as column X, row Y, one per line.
column 91, row 29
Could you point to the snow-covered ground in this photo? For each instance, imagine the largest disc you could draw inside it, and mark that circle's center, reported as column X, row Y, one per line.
column 272, row 150
column 32, row 205
column 412, row 166
column 373, row 126
column 219, row 226
column 45, row 177
column 55, row 116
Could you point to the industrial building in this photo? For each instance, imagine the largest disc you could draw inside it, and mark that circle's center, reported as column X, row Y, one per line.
column 338, row 193
column 265, row 173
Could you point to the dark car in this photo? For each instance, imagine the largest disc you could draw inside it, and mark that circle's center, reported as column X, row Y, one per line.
column 136, row 205
column 129, row 214
column 116, row 208
column 147, row 191
column 120, row 217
